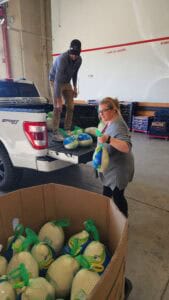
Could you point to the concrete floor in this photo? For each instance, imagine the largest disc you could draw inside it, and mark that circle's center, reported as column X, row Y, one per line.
column 148, row 199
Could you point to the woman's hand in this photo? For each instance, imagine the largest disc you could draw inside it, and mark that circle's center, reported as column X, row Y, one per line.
column 103, row 139
column 119, row 145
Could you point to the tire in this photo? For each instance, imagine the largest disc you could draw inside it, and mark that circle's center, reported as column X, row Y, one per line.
column 9, row 176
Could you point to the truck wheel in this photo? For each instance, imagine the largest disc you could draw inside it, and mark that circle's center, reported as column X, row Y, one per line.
column 9, row 176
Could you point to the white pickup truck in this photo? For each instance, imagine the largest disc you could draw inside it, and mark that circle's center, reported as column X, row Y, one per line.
column 24, row 139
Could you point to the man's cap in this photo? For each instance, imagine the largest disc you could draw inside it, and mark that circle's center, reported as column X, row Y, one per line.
column 75, row 47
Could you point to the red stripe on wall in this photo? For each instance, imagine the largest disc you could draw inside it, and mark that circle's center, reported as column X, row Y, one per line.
column 123, row 45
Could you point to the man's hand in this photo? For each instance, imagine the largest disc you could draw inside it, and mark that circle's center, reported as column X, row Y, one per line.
column 75, row 92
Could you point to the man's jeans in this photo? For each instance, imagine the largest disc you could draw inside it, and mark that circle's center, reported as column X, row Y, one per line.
column 67, row 94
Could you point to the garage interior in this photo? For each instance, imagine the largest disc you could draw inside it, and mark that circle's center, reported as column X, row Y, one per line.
column 26, row 50
column 147, row 195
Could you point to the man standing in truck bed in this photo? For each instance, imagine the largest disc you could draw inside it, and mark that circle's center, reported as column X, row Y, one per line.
column 65, row 69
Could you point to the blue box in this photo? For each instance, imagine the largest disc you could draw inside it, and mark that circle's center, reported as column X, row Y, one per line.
column 141, row 123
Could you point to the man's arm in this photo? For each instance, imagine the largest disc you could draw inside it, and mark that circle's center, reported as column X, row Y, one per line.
column 74, row 79
column 51, row 80
column 56, row 73
column 55, row 78
column 52, row 72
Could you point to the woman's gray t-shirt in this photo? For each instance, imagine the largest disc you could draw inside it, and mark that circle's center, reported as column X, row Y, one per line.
column 121, row 166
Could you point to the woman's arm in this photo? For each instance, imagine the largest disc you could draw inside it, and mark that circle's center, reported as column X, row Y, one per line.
column 119, row 145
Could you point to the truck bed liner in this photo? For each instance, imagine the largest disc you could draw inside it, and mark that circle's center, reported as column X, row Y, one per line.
column 76, row 156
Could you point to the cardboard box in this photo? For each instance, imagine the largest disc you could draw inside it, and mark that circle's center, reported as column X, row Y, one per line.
column 36, row 205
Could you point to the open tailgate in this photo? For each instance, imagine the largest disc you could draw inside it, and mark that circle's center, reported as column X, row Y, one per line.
column 79, row 155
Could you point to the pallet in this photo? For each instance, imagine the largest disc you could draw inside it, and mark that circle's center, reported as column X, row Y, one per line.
column 164, row 137
column 141, row 131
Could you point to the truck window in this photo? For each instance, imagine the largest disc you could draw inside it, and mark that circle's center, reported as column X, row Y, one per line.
column 7, row 90
column 16, row 89
column 27, row 90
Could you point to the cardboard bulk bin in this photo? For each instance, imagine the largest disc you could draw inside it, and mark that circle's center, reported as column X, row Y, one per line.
column 36, row 205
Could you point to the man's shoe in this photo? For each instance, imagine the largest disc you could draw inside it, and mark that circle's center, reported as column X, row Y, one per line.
column 127, row 289
column 58, row 137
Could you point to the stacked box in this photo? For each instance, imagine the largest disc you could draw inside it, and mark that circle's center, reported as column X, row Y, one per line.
column 162, row 115
column 36, row 205
column 127, row 110
column 141, row 123
column 160, row 125
column 85, row 115
column 159, row 128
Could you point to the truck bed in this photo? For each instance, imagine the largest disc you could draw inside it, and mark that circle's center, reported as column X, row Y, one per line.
column 79, row 155
column 23, row 105
column 56, row 150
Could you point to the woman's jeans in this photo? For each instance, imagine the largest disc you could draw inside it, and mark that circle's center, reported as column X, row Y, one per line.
column 118, row 197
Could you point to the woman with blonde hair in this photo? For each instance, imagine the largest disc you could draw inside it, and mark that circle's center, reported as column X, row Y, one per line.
column 116, row 138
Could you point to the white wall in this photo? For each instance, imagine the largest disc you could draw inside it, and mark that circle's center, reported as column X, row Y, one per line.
column 2, row 57
column 139, row 72
column 29, row 36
